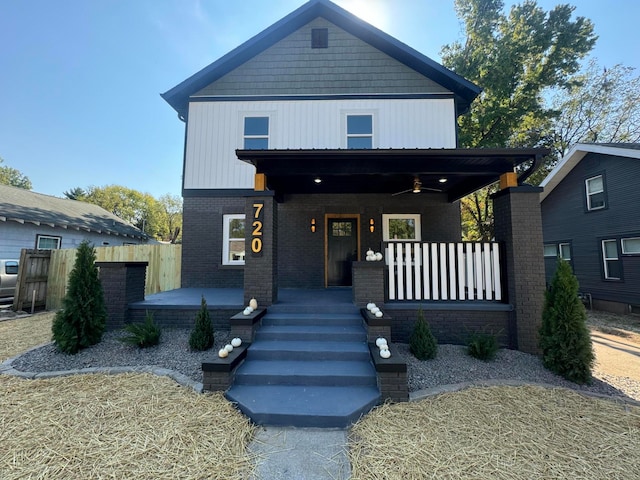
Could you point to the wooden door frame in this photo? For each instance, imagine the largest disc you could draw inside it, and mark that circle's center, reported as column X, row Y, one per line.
column 327, row 216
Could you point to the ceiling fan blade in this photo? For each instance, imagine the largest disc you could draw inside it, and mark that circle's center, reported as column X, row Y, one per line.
column 400, row 193
column 431, row 189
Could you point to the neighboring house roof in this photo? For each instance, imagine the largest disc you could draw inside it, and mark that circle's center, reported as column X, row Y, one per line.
column 465, row 91
column 23, row 206
column 577, row 153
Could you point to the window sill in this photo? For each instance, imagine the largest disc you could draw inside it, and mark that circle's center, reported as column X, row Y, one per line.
column 231, row 267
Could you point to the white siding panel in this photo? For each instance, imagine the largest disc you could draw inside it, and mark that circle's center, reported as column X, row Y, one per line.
column 215, row 131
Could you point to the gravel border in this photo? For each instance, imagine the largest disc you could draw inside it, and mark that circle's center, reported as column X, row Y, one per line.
column 173, row 357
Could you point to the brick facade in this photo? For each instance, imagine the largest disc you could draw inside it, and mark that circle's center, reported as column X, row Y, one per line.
column 122, row 283
column 261, row 274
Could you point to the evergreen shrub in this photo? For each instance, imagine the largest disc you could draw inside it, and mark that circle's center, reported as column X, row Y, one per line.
column 482, row 346
column 144, row 334
column 564, row 337
column 422, row 344
column 81, row 321
column 202, row 335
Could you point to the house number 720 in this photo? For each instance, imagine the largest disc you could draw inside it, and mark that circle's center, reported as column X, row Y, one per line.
column 256, row 233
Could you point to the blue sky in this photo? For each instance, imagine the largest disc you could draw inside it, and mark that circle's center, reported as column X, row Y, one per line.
column 80, row 79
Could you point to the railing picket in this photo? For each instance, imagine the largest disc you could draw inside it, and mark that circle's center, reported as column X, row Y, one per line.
column 400, row 273
column 443, row 271
column 477, row 266
column 469, row 267
column 434, row 271
column 417, row 256
column 488, row 284
column 407, row 268
column 452, row 272
column 392, row 272
column 496, row 272
column 460, row 271
column 425, row 273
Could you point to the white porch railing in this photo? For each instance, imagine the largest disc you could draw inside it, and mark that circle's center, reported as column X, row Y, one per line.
column 443, row 271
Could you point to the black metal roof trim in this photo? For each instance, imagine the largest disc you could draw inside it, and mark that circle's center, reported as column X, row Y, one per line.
column 367, row 96
column 178, row 96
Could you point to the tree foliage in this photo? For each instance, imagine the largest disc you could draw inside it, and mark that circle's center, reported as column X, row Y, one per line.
column 81, row 321
column 422, row 344
column 602, row 106
column 516, row 59
column 15, row 178
column 202, row 335
column 564, row 337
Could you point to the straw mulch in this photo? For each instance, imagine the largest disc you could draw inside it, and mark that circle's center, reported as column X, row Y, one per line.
column 123, row 426
column 499, row 433
column 19, row 334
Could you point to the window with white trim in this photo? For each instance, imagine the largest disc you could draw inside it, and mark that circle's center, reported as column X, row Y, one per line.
column 48, row 242
column 256, row 133
column 565, row 251
column 401, row 226
column 611, row 260
column 233, row 243
column 595, row 193
column 631, row 246
column 551, row 250
column 360, row 131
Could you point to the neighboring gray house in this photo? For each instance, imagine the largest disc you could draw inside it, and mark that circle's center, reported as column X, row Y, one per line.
column 590, row 218
column 34, row 220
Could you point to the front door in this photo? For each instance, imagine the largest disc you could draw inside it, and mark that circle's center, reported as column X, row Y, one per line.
column 342, row 249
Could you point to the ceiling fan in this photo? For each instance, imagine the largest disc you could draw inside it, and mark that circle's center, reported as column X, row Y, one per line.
column 417, row 188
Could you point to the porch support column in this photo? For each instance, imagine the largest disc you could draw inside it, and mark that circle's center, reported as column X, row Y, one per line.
column 518, row 224
column 261, row 258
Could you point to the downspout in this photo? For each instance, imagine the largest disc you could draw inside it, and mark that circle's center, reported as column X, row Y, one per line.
column 537, row 161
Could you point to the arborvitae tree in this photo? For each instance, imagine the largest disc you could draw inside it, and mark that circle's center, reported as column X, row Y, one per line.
column 564, row 336
column 202, row 335
column 81, row 321
column 422, row 343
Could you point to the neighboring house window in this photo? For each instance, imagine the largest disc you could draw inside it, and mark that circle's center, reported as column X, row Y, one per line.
column 595, row 193
column 233, row 240
column 631, row 246
column 611, row 261
column 397, row 227
column 47, row 242
column 256, row 133
column 565, row 251
column 359, row 131
column 550, row 250
column 319, row 38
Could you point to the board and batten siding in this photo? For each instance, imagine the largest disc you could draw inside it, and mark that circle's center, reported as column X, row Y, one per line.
column 215, row 131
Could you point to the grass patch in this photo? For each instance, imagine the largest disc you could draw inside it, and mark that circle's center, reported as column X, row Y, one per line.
column 20, row 334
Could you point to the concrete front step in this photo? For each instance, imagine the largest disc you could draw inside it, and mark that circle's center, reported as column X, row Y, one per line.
column 320, row 318
column 337, row 333
column 311, row 373
column 308, row 350
column 304, row 406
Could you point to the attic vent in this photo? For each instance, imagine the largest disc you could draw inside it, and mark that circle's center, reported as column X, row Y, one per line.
column 319, row 38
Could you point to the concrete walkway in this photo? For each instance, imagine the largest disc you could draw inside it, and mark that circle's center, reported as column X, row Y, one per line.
column 311, row 454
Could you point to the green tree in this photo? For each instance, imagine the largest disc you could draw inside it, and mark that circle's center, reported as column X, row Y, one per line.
column 202, row 335
column 516, row 59
column 76, row 193
column 422, row 344
column 82, row 319
column 15, row 178
column 171, row 206
column 564, row 337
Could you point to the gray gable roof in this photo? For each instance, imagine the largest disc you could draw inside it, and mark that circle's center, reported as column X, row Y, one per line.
column 464, row 91
column 23, row 206
column 577, row 153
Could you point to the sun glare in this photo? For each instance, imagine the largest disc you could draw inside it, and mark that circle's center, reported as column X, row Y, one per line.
column 374, row 12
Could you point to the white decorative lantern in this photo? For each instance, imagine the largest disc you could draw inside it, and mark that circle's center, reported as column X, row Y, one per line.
column 253, row 303
column 378, row 313
column 381, row 341
column 223, row 353
column 385, row 353
column 228, row 347
column 236, row 342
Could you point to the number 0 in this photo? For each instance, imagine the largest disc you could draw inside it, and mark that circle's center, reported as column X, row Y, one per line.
column 256, row 245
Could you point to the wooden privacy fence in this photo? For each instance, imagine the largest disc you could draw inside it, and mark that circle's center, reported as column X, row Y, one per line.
column 163, row 272
column 444, row 271
column 31, row 286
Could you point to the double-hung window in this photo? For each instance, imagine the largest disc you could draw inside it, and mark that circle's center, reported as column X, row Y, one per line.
column 595, row 193
column 360, row 131
column 256, row 133
column 611, row 260
column 233, row 244
column 47, row 242
column 565, row 251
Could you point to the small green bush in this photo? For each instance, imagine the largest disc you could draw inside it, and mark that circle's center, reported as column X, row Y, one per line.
column 564, row 337
column 144, row 334
column 482, row 346
column 422, row 343
column 202, row 335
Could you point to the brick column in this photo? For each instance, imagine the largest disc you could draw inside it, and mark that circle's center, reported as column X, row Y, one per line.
column 261, row 258
column 518, row 224
column 123, row 283
column 368, row 283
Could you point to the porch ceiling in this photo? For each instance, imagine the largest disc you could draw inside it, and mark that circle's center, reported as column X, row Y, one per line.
column 386, row 171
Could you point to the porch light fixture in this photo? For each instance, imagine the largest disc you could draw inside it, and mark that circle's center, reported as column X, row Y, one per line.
column 417, row 185
column 317, row 180
column 313, row 225
column 443, row 180
column 372, row 226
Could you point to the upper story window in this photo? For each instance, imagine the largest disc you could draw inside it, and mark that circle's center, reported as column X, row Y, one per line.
column 319, row 38
column 359, row 131
column 47, row 242
column 401, row 226
column 256, row 133
column 595, row 193
column 233, row 244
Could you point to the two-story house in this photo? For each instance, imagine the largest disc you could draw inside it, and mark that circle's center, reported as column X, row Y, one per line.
column 323, row 137
column 589, row 214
